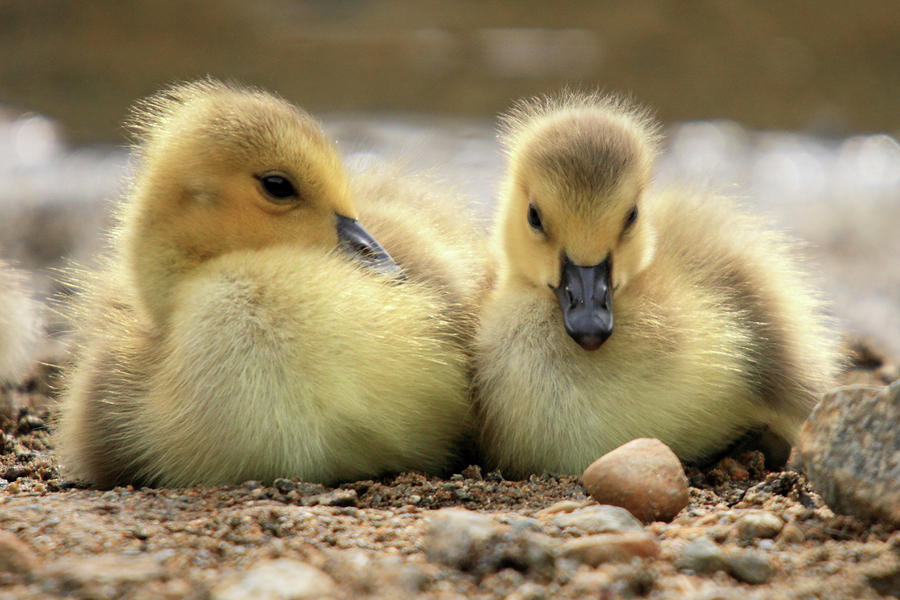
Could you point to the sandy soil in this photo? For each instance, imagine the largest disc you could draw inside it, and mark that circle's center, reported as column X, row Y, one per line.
column 372, row 538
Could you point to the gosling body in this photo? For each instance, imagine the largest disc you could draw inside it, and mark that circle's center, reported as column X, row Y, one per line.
column 231, row 338
column 700, row 326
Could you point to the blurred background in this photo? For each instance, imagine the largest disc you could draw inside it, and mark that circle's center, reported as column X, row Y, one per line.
column 793, row 107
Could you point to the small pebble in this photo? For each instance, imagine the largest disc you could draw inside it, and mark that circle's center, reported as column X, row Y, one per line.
column 598, row 519
column 643, row 476
column 281, row 579
column 333, row 498
column 791, row 534
column 734, row 470
column 13, row 473
column 30, row 423
column 701, row 555
column 284, row 485
column 472, row 542
column 592, row 582
column 529, row 591
column 594, row 550
column 719, row 533
column 453, row 537
column 749, row 566
column 758, row 524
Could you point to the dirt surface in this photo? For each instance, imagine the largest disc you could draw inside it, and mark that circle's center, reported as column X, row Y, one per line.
column 375, row 538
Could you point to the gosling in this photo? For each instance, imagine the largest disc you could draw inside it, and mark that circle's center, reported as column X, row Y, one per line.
column 619, row 312
column 246, row 325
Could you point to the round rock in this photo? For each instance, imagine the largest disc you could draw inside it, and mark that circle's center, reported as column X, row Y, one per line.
column 749, row 566
column 759, row 524
column 701, row 555
column 643, row 476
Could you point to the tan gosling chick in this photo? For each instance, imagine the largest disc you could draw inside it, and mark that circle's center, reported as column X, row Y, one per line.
column 620, row 313
column 247, row 326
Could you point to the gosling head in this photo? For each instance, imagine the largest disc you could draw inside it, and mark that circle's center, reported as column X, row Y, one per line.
column 223, row 169
column 571, row 222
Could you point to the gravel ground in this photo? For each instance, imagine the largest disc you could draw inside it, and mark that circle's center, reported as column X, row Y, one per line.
column 746, row 533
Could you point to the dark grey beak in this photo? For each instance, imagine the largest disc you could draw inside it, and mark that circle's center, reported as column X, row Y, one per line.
column 358, row 242
column 584, row 294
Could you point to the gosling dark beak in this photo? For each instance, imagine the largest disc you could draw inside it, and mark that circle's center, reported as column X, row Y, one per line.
column 584, row 295
column 356, row 241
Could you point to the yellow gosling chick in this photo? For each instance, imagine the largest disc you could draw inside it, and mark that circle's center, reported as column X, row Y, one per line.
column 20, row 324
column 621, row 313
column 231, row 338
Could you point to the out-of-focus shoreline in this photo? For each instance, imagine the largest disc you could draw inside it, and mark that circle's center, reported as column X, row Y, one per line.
column 769, row 65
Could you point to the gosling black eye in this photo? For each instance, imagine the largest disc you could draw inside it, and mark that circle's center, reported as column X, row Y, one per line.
column 534, row 218
column 278, row 187
column 632, row 217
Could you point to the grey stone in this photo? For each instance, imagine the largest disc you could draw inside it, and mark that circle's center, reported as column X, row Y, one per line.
column 850, row 451
column 453, row 537
column 472, row 542
column 284, row 485
column 599, row 518
column 749, row 566
column 701, row 555
column 282, row 579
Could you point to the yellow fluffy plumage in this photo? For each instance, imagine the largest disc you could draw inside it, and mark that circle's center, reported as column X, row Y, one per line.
column 713, row 328
column 229, row 339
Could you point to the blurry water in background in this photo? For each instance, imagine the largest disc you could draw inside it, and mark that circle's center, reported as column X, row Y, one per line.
column 830, row 66
column 793, row 108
